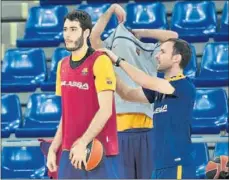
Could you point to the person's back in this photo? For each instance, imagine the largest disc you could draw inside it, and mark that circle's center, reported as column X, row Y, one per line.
column 133, row 119
column 123, row 43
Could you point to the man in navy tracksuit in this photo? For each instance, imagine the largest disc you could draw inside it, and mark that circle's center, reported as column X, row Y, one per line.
column 173, row 97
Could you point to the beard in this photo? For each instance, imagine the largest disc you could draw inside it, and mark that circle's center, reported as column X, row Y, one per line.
column 78, row 44
column 162, row 69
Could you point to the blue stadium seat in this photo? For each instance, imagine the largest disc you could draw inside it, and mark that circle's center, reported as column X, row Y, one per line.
column 44, row 27
column 222, row 35
column 194, row 21
column 210, row 115
column 96, row 10
column 150, row 0
column 41, row 173
column 42, row 116
column 58, row 54
column 107, row 1
column 59, row 2
column 221, row 149
column 11, row 115
column 20, row 162
column 201, row 158
column 191, row 69
column 23, row 70
column 146, row 16
column 214, row 66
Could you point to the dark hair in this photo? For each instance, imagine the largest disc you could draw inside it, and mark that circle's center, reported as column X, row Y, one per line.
column 183, row 48
column 83, row 17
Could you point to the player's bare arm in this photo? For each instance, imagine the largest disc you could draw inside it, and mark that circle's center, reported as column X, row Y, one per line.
column 77, row 154
column 158, row 34
column 128, row 93
column 99, row 27
column 105, row 99
column 57, row 139
column 141, row 78
column 56, row 143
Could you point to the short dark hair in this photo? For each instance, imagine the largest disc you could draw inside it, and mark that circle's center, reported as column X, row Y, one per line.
column 183, row 48
column 83, row 17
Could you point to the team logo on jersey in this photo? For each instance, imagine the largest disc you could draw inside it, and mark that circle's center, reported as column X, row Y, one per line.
column 161, row 109
column 138, row 51
column 75, row 84
column 84, row 71
column 109, row 81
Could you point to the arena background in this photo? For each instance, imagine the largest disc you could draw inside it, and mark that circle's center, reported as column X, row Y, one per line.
column 31, row 47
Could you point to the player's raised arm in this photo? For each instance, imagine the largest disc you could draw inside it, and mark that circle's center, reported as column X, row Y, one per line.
column 158, row 34
column 99, row 27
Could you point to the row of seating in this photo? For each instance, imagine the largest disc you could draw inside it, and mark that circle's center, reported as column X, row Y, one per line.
column 195, row 21
column 24, row 70
column 28, row 162
column 43, row 113
column 71, row 2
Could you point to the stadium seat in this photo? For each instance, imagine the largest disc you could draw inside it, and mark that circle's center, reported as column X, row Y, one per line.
column 107, row 1
column 214, row 66
column 42, row 116
column 194, row 21
column 44, row 27
column 222, row 35
column 20, row 162
column 201, row 158
column 58, row 54
column 146, row 16
column 210, row 114
column 221, row 149
column 96, row 10
column 191, row 69
column 59, row 2
column 23, row 70
column 41, row 173
column 150, row 0
column 11, row 115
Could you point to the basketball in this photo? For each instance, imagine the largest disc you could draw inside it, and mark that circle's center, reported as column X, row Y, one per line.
column 94, row 154
column 224, row 164
column 212, row 170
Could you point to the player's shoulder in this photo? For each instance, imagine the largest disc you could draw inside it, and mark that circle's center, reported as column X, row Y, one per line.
column 63, row 59
column 103, row 62
column 59, row 64
column 186, row 84
column 102, row 58
column 60, row 61
column 189, row 83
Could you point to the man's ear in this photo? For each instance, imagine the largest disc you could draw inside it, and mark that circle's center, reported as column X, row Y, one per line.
column 177, row 58
column 86, row 33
